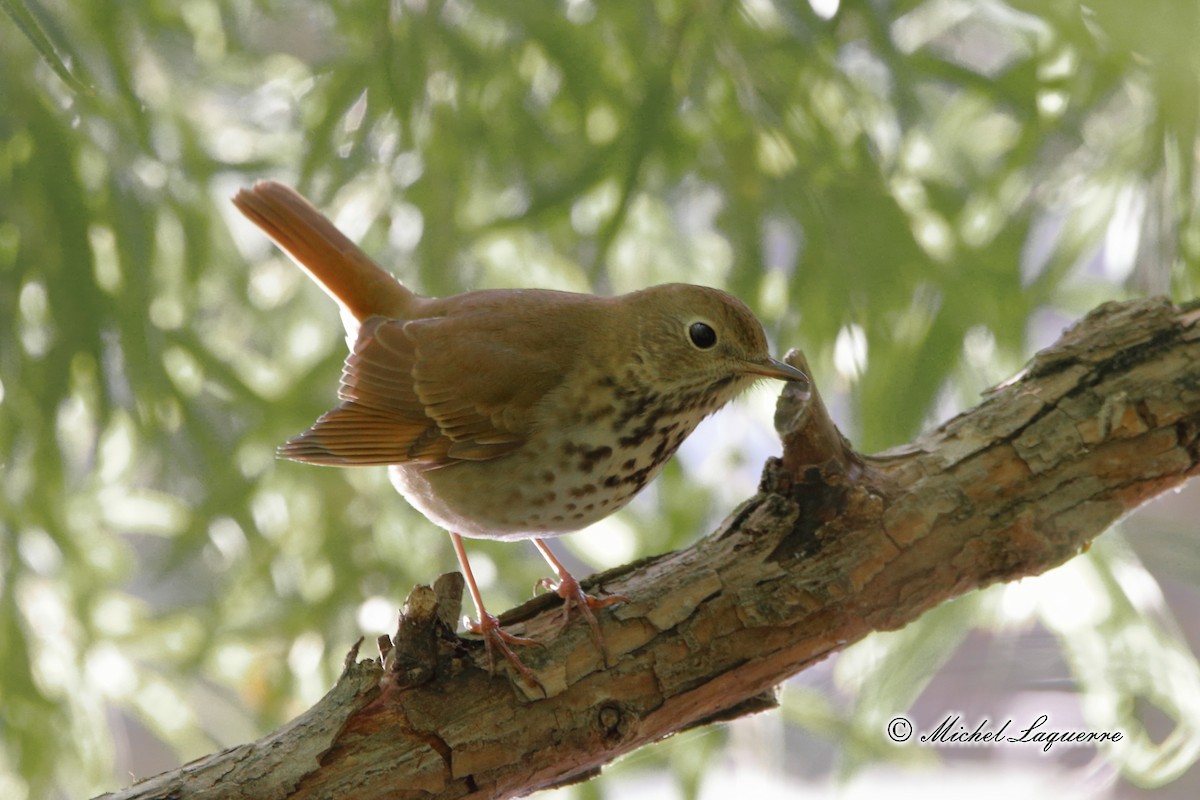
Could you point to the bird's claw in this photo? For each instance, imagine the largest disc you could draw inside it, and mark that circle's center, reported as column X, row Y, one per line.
column 573, row 595
column 496, row 638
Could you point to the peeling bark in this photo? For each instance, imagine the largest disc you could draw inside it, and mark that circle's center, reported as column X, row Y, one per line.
column 834, row 545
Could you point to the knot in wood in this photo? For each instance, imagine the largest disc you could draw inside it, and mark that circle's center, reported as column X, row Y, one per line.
column 612, row 720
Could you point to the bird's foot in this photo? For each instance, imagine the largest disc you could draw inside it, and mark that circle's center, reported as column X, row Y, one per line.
column 496, row 638
column 573, row 595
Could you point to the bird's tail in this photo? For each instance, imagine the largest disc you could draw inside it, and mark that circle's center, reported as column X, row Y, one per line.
column 350, row 276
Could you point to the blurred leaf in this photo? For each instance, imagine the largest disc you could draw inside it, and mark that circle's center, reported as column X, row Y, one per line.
column 21, row 15
column 1129, row 656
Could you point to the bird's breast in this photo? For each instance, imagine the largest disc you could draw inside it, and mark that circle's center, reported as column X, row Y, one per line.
column 576, row 467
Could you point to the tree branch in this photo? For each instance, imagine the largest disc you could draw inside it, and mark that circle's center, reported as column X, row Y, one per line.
column 835, row 545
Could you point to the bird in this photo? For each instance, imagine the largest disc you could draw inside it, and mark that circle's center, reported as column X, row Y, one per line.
column 513, row 413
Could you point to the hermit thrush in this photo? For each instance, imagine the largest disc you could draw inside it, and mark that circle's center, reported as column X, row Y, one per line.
column 514, row 413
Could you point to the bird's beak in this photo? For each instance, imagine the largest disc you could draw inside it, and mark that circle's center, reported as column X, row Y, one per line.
column 773, row 368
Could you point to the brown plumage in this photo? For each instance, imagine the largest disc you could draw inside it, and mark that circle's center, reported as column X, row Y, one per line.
column 514, row 413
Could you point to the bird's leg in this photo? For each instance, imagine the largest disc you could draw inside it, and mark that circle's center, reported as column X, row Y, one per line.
column 494, row 637
column 573, row 595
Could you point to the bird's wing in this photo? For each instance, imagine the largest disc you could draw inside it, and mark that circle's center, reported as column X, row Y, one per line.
column 427, row 391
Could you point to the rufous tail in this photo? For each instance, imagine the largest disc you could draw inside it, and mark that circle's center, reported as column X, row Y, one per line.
column 348, row 274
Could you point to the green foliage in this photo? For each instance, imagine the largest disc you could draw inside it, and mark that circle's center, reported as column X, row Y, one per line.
column 913, row 192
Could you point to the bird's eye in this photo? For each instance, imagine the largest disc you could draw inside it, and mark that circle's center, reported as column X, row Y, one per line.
column 702, row 335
